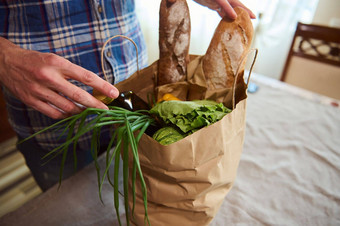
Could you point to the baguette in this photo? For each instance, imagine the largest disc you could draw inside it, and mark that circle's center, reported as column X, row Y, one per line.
column 228, row 47
column 174, row 40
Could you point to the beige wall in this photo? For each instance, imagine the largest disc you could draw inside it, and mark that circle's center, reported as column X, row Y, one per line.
column 328, row 13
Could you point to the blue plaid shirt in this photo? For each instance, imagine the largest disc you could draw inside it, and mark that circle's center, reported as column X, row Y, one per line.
column 75, row 30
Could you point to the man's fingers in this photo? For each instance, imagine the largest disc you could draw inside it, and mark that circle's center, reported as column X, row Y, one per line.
column 48, row 110
column 227, row 8
column 79, row 95
column 80, row 74
column 60, row 102
column 237, row 3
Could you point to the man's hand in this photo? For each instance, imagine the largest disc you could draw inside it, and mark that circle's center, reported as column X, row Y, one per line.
column 225, row 7
column 40, row 81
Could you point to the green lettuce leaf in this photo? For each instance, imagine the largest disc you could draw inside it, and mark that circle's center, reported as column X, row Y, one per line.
column 189, row 116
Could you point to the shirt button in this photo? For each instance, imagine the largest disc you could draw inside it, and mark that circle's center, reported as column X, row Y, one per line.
column 100, row 9
column 108, row 53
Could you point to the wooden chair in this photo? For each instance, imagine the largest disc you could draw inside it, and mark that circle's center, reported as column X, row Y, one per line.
column 313, row 60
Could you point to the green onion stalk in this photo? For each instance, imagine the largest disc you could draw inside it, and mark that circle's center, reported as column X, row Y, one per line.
column 130, row 126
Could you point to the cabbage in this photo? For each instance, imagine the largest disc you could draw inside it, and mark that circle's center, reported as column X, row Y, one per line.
column 167, row 135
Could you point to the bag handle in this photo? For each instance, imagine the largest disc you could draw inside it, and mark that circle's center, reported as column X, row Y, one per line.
column 97, row 94
column 103, row 49
column 244, row 57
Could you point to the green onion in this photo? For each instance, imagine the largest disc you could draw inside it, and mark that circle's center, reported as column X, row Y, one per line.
column 126, row 123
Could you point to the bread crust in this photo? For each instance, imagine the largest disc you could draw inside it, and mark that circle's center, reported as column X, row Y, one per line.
column 229, row 45
column 174, row 40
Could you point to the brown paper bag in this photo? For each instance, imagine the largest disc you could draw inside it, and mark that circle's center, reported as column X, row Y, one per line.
column 187, row 181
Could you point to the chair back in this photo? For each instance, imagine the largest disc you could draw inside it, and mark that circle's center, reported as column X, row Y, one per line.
column 313, row 60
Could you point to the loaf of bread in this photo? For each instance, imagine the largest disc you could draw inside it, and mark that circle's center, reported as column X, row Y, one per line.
column 228, row 47
column 174, row 40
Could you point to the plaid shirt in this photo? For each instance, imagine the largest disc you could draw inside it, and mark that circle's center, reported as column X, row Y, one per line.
column 75, row 30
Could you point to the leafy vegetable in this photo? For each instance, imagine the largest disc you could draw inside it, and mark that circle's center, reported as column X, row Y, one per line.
column 125, row 136
column 168, row 135
column 190, row 116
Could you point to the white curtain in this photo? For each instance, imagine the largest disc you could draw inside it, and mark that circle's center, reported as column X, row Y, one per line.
column 274, row 28
column 274, row 31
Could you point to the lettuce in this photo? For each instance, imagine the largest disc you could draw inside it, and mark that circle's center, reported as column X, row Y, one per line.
column 189, row 116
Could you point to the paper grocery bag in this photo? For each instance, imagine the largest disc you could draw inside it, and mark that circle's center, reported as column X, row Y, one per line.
column 188, row 180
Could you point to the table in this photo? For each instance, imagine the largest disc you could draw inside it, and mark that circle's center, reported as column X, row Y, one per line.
column 289, row 173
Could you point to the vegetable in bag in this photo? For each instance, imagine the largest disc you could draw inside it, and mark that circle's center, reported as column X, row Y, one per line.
column 186, row 117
